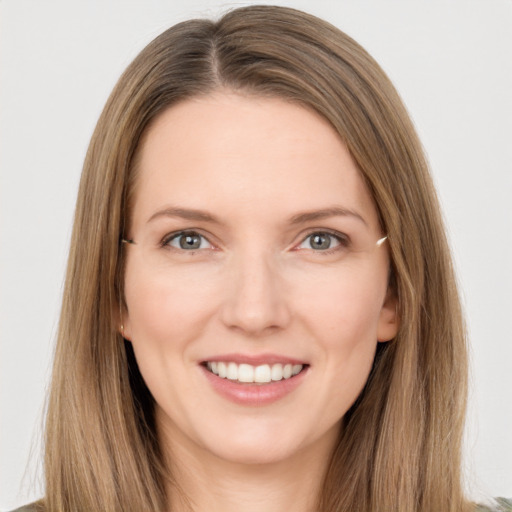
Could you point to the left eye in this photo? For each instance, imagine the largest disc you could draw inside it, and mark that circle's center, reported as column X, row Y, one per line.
column 320, row 241
column 188, row 241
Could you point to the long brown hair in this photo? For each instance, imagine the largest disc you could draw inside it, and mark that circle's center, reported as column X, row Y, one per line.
column 400, row 445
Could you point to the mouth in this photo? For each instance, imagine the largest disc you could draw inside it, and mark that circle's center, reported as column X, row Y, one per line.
column 250, row 374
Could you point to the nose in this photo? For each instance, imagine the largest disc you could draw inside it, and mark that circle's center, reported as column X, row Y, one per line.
column 255, row 300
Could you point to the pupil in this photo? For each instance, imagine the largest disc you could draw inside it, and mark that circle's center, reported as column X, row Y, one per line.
column 190, row 242
column 321, row 242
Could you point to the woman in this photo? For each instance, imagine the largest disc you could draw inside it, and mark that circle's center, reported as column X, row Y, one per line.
column 260, row 309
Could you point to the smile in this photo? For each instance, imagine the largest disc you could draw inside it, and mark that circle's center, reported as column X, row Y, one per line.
column 246, row 373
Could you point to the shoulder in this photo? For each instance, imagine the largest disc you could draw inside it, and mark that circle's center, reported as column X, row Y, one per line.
column 32, row 507
column 499, row 505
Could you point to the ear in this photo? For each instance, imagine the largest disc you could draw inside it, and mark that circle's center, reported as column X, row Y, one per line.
column 123, row 322
column 389, row 321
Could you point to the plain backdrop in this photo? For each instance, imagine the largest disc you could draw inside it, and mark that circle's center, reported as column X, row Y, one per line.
column 451, row 62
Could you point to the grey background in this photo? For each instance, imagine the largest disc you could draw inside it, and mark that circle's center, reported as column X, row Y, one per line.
column 451, row 61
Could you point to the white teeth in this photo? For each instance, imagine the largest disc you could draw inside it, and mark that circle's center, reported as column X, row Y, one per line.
column 221, row 368
column 232, row 371
column 245, row 373
column 261, row 374
column 296, row 369
column 277, row 371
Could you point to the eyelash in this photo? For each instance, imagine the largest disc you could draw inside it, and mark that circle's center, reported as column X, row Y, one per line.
column 342, row 239
column 165, row 242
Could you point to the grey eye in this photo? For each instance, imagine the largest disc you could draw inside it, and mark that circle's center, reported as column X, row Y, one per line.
column 189, row 241
column 320, row 241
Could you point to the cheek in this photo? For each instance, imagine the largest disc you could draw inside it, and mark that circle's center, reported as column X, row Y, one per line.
column 166, row 313
column 343, row 318
column 344, row 307
column 165, row 306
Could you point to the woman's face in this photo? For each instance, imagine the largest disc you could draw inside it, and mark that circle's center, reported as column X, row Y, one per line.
column 256, row 290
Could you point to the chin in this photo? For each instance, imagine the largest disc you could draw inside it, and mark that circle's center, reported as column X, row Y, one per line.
column 255, row 454
column 271, row 445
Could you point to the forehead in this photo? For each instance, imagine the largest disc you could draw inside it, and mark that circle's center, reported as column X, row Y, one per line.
column 236, row 154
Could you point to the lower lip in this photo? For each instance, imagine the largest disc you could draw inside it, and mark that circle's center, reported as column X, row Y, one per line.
column 254, row 394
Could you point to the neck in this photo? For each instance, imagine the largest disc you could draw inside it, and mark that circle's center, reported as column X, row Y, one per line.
column 204, row 482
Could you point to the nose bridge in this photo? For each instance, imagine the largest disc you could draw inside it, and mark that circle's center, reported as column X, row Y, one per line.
column 255, row 301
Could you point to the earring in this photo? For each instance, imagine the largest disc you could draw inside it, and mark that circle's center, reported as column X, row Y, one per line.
column 121, row 326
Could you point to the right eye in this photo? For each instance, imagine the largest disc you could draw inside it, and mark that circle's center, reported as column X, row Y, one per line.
column 187, row 241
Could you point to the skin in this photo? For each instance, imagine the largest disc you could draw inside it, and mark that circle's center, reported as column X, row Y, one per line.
column 255, row 286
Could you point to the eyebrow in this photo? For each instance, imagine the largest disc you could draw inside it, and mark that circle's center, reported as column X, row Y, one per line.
column 334, row 211
column 300, row 218
column 185, row 213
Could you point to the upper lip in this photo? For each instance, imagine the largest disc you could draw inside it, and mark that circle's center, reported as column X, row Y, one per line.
column 254, row 359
